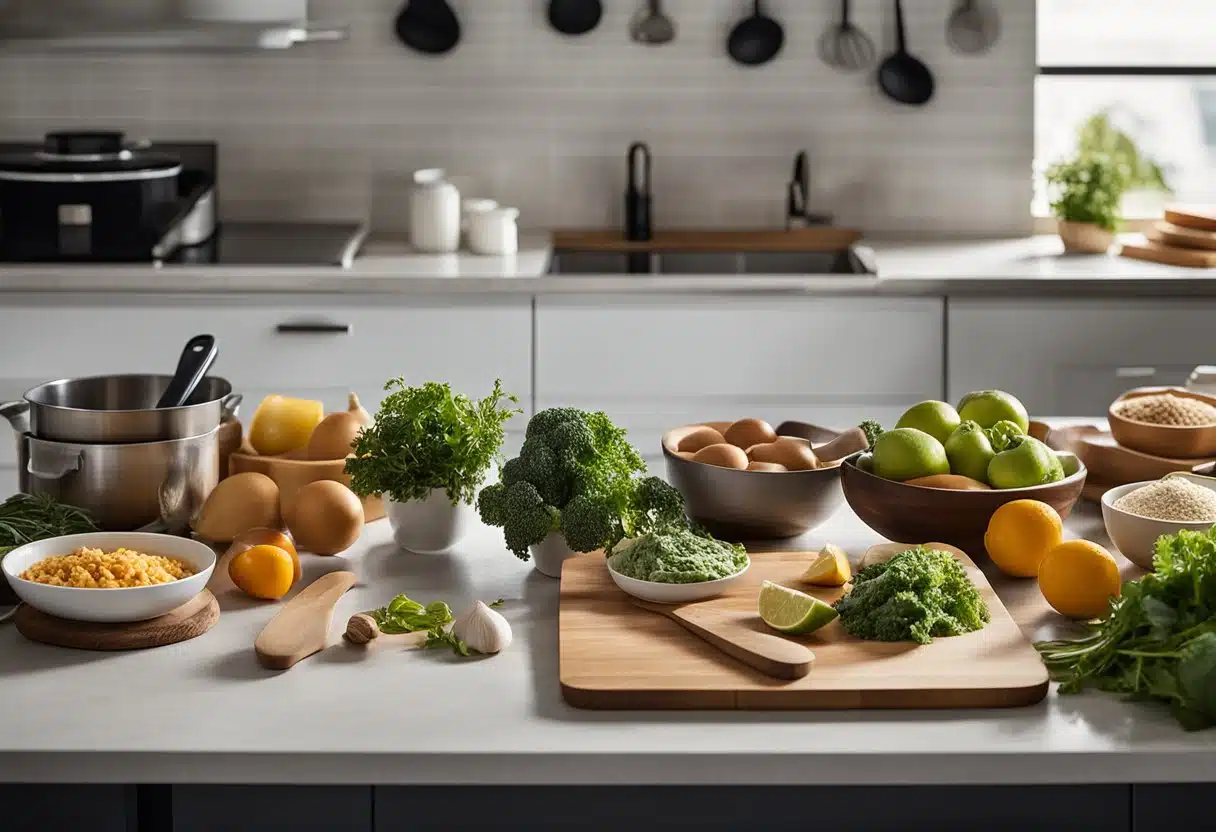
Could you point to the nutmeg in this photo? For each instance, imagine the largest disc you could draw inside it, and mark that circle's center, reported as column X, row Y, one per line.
column 361, row 628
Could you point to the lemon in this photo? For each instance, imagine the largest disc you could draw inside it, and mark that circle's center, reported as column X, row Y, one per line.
column 1020, row 534
column 1078, row 578
column 282, row 424
column 790, row 611
column 830, row 568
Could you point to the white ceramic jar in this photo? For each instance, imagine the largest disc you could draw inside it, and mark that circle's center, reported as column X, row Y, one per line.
column 494, row 231
column 430, row 526
column 549, row 555
column 434, row 213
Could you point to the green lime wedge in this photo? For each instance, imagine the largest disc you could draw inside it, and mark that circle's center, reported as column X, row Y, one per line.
column 790, row 611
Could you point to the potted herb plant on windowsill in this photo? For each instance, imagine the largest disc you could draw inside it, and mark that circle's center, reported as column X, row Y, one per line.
column 427, row 453
column 1087, row 191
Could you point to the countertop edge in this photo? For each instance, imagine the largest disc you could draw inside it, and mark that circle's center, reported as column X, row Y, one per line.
column 724, row 769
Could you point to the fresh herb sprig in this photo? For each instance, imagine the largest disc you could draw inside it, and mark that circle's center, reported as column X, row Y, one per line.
column 405, row 615
column 428, row 437
column 1158, row 642
column 25, row 518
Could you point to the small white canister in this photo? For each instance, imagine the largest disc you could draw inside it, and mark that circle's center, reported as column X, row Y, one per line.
column 494, row 232
column 434, row 213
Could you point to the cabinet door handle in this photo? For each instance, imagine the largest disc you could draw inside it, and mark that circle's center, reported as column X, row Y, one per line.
column 319, row 328
column 1135, row 372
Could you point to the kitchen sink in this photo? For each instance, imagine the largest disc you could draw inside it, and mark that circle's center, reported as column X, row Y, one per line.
column 855, row 260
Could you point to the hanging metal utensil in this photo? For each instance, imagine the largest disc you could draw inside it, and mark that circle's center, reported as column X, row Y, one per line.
column 428, row 26
column 844, row 45
column 575, row 17
column 974, row 26
column 756, row 39
column 902, row 76
column 651, row 26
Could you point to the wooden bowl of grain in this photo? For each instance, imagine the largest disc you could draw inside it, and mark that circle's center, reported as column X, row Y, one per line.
column 1165, row 421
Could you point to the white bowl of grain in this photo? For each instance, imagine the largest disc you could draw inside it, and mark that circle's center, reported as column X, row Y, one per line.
column 1138, row 513
column 110, row 605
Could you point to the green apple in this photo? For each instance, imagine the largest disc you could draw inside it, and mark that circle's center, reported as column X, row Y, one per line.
column 907, row 453
column 937, row 419
column 1028, row 462
column 970, row 450
column 991, row 406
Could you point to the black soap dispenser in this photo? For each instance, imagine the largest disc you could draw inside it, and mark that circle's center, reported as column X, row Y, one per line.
column 638, row 205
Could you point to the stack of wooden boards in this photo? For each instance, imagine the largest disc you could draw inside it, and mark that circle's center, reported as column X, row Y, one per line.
column 1186, row 237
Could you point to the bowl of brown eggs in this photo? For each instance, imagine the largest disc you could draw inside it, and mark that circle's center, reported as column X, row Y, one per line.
column 746, row 480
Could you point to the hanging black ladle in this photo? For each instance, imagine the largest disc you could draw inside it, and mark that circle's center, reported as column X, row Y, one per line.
column 428, row 26
column 756, row 39
column 903, row 77
column 575, row 17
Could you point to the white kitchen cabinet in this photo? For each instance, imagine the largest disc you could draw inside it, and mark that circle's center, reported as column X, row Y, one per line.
column 1072, row 357
column 318, row 347
column 655, row 362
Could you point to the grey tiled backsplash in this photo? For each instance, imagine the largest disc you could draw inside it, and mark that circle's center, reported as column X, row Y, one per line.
column 531, row 118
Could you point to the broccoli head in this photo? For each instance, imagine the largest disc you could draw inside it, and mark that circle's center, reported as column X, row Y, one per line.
column 576, row 472
column 520, row 511
column 589, row 524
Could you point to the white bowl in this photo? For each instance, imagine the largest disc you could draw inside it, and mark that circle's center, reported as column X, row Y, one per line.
column 110, row 606
column 1134, row 535
column 674, row 593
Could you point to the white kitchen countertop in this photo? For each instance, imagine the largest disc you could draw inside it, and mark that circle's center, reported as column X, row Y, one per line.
column 1002, row 266
column 204, row 711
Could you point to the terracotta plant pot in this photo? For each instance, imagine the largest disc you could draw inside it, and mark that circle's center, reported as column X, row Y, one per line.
column 1084, row 237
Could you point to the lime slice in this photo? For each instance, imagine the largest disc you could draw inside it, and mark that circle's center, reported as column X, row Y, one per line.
column 790, row 611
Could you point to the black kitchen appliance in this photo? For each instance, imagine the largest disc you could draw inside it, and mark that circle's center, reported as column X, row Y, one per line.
column 93, row 196
column 171, row 221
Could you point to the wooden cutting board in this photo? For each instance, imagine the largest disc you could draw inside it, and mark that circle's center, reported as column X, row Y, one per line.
column 1200, row 218
column 1191, row 258
column 1179, row 236
column 190, row 620
column 616, row 656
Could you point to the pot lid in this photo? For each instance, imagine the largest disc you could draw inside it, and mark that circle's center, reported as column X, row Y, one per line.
column 83, row 156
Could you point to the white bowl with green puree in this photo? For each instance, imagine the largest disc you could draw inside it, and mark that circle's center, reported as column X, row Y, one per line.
column 676, row 567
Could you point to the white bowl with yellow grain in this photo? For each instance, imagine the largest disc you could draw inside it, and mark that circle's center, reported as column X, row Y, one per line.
column 109, row 577
column 1138, row 513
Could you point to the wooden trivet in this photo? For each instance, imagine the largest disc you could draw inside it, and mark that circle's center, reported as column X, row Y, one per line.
column 191, row 619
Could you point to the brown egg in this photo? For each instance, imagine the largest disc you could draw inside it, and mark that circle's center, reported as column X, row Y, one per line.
column 795, row 454
column 700, row 438
column 239, row 503
column 723, row 456
column 748, row 432
column 771, row 467
column 334, row 436
column 326, row 518
column 685, row 454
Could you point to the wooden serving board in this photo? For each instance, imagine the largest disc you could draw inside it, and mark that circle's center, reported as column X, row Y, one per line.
column 1178, row 235
column 190, row 620
column 1199, row 218
column 616, row 656
column 1110, row 463
column 1191, row 258
column 762, row 240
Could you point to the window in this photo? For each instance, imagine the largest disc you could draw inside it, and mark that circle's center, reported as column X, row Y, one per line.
column 1151, row 67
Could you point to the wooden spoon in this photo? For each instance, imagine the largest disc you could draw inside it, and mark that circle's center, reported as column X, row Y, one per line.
column 302, row 627
column 770, row 654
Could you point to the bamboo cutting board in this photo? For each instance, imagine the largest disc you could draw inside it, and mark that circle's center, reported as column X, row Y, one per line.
column 1191, row 258
column 616, row 656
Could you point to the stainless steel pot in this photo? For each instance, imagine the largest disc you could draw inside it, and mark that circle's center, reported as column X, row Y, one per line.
column 118, row 409
column 124, row 486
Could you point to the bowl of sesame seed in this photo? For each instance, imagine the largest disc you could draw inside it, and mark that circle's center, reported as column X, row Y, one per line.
column 1165, row 421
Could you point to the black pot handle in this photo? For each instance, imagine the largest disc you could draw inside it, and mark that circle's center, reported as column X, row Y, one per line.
column 198, row 356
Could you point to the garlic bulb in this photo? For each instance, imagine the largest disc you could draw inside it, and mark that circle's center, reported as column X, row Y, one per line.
column 483, row 629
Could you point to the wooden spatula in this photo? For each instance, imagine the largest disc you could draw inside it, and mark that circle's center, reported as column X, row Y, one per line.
column 772, row 655
column 302, row 627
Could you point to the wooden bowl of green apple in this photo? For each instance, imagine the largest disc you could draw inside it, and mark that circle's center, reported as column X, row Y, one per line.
column 942, row 472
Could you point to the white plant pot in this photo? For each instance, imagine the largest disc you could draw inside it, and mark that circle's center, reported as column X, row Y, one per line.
column 549, row 555
column 430, row 526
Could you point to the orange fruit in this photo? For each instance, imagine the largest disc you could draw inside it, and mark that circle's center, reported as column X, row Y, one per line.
column 269, row 537
column 263, row 571
column 1020, row 534
column 1078, row 578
